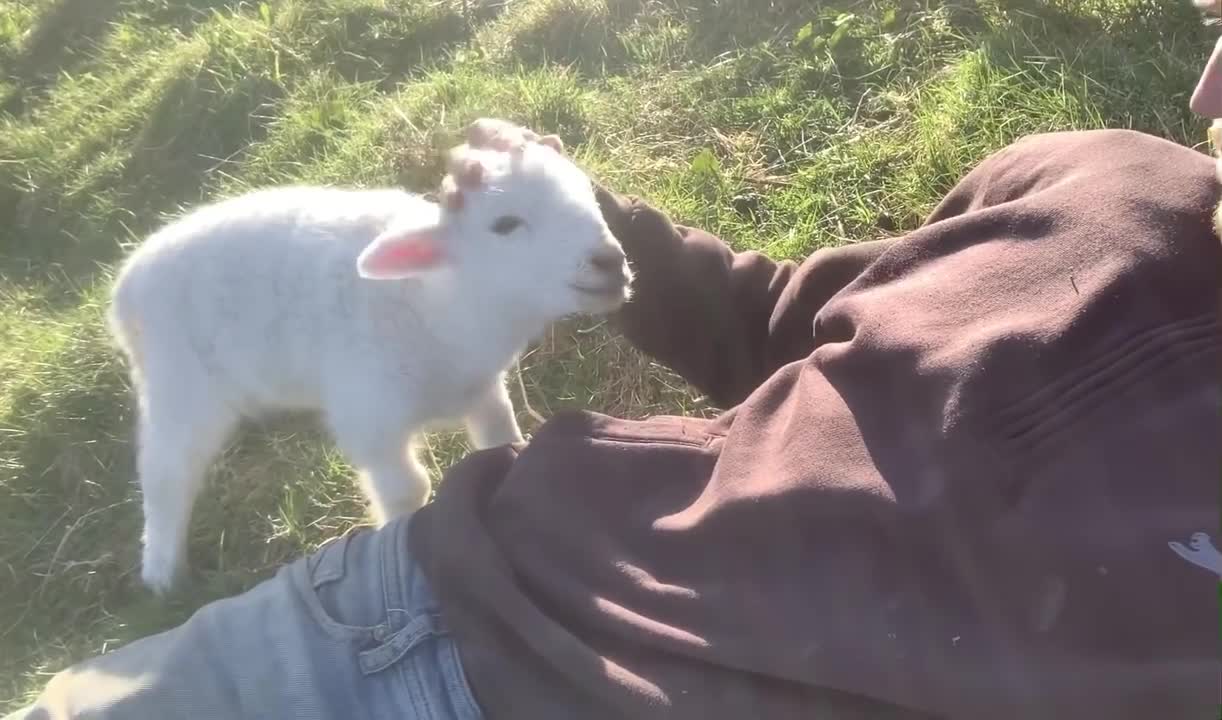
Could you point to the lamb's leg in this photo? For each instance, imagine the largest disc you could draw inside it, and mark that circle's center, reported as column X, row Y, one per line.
column 182, row 428
column 380, row 445
column 491, row 421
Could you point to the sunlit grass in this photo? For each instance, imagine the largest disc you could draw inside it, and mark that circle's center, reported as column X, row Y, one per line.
column 780, row 125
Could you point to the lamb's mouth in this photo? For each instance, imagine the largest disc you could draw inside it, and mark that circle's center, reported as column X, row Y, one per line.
column 604, row 292
column 603, row 298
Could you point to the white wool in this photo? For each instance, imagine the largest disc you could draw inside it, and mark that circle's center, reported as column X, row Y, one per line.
column 256, row 304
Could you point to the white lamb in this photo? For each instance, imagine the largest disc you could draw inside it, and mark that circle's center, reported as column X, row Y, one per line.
column 384, row 311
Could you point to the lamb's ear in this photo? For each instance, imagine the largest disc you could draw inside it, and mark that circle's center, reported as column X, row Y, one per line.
column 401, row 253
column 553, row 142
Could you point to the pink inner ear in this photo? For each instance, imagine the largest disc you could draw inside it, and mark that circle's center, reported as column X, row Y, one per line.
column 410, row 254
column 400, row 256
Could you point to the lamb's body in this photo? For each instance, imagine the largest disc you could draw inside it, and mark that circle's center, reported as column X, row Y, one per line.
column 259, row 295
column 256, row 304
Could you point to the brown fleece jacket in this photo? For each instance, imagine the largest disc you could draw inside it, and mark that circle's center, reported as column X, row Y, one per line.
column 949, row 484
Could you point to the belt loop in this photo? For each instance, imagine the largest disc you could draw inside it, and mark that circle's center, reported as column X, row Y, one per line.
column 421, row 628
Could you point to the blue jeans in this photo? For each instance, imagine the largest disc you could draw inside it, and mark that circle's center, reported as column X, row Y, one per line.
column 351, row 631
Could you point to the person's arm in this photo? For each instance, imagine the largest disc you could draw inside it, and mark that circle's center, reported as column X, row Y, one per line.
column 725, row 321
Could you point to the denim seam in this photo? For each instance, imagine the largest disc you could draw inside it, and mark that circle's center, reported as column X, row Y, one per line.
column 303, row 584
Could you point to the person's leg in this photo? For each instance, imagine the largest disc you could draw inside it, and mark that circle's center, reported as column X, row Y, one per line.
column 351, row 631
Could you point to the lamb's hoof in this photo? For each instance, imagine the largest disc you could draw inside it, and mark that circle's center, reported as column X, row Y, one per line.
column 160, row 573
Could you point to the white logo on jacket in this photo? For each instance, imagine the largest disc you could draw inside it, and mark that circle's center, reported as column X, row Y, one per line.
column 1200, row 552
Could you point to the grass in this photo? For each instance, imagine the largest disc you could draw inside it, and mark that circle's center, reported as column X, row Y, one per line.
column 780, row 125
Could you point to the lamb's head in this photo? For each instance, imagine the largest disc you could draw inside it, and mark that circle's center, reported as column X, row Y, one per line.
column 522, row 225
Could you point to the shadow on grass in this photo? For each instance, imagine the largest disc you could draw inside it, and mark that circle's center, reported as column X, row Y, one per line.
column 196, row 127
column 1135, row 65
column 69, row 528
column 56, row 43
column 385, row 44
column 65, row 32
column 65, row 216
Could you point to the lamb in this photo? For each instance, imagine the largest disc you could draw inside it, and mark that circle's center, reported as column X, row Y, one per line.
column 380, row 310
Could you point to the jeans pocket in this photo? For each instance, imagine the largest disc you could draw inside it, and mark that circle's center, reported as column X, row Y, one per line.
column 341, row 585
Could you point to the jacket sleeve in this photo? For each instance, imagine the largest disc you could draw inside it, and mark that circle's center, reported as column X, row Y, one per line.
column 725, row 321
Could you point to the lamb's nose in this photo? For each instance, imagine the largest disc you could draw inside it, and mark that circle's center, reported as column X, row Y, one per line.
column 610, row 260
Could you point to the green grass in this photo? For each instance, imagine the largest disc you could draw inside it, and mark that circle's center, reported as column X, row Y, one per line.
column 781, row 125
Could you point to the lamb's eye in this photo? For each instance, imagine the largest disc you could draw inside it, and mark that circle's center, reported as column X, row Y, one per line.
column 506, row 224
